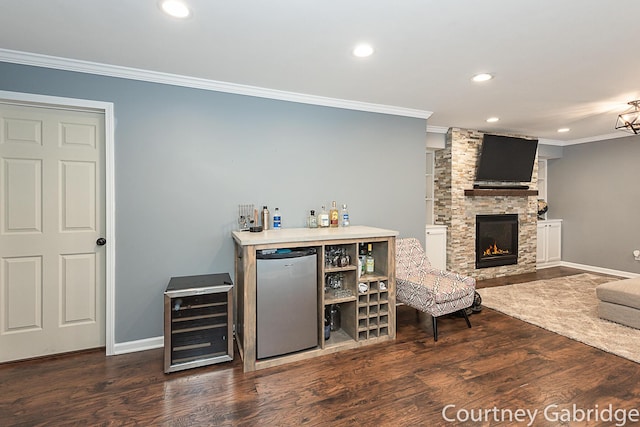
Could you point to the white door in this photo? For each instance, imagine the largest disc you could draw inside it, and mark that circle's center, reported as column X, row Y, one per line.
column 52, row 213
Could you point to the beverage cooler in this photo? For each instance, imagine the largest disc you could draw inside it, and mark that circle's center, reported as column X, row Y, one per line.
column 198, row 321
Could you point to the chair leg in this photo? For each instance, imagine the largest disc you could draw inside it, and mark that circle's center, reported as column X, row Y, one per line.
column 464, row 313
column 435, row 323
column 435, row 328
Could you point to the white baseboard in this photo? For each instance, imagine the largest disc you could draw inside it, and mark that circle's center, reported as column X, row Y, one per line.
column 600, row 269
column 548, row 265
column 139, row 345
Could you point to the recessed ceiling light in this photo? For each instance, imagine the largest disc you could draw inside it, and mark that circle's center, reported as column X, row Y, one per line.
column 563, row 130
column 175, row 8
column 492, row 119
column 363, row 50
column 482, row 77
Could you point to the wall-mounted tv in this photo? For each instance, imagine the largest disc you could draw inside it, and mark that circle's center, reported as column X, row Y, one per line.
column 506, row 159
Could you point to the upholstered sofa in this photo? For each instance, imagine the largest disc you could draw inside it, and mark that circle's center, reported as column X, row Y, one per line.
column 619, row 302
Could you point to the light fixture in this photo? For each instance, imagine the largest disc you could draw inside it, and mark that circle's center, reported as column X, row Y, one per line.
column 563, row 130
column 492, row 119
column 363, row 50
column 629, row 121
column 175, row 8
column 482, row 77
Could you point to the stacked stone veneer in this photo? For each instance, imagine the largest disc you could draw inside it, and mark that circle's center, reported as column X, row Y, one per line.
column 455, row 168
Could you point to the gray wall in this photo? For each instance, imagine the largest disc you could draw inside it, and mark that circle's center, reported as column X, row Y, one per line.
column 185, row 158
column 594, row 189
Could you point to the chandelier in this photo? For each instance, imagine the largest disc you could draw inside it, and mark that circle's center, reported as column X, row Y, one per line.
column 630, row 121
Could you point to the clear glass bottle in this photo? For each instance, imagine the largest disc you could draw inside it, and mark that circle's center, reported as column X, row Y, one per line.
column 324, row 217
column 277, row 219
column 344, row 218
column 333, row 215
column 312, row 221
column 369, row 261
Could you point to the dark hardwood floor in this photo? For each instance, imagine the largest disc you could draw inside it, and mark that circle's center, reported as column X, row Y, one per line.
column 500, row 363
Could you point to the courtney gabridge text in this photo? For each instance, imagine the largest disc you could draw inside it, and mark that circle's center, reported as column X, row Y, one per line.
column 551, row 413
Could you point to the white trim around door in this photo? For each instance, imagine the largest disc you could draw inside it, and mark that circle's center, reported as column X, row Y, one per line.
column 109, row 122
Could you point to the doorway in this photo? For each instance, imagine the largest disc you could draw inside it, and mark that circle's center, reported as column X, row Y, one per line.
column 56, row 275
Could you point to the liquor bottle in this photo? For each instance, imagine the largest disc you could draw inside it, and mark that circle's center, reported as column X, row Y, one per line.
column 370, row 263
column 335, row 317
column 277, row 220
column 344, row 217
column 333, row 215
column 312, row 222
column 324, row 217
column 362, row 259
column 265, row 218
column 327, row 328
column 327, row 322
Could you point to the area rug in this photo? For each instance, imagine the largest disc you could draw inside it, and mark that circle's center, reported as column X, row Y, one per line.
column 567, row 306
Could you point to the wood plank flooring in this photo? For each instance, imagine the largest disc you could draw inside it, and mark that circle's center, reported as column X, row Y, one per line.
column 500, row 363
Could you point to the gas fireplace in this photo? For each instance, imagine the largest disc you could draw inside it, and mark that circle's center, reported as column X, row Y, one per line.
column 496, row 240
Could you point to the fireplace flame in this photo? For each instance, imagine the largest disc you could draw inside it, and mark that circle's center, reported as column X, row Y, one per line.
column 494, row 250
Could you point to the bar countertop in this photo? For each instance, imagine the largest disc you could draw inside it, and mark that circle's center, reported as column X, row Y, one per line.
column 288, row 235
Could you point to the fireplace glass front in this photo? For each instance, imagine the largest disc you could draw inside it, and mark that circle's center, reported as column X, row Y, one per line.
column 496, row 240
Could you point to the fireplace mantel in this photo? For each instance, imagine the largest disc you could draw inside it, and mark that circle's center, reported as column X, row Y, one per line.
column 491, row 192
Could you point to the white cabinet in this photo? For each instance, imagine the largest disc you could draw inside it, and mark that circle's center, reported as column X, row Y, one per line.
column 549, row 243
column 436, row 245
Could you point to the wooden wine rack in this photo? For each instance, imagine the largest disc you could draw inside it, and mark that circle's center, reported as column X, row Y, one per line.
column 366, row 318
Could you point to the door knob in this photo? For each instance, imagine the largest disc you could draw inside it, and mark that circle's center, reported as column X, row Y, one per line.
column 101, row 241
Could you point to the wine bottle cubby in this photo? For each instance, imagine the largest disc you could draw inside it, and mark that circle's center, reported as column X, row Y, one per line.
column 363, row 297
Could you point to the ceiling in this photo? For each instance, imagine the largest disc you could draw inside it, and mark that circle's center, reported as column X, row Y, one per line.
column 570, row 63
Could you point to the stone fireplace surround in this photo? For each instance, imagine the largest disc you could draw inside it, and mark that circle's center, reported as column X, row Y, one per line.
column 455, row 168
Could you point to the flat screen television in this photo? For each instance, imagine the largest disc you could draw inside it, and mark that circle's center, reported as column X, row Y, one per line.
column 506, row 159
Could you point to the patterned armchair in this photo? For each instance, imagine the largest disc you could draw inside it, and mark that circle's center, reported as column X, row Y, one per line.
column 433, row 291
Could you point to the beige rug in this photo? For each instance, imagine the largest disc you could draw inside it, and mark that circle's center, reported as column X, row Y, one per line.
column 567, row 306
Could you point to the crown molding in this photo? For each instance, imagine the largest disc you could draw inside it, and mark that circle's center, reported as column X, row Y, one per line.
column 58, row 63
column 437, row 129
column 597, row 138
column 556, row 142
column 577, row 141
column 545, row 141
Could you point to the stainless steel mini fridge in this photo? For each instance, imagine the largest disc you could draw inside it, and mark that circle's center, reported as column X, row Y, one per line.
column 286, row 301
